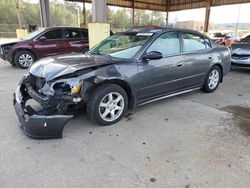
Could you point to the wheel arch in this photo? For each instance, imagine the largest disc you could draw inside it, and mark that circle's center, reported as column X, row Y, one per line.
column 124, row 85
column 25, row 49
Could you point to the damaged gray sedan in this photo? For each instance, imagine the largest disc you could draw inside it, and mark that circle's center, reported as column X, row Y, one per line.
column 123, row 71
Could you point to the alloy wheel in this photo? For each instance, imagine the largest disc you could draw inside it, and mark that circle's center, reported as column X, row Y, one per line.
column 213, row 79
column 111, row 106
column 25, row 60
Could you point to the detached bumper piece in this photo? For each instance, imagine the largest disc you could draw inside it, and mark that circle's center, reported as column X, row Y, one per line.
column 35, row 124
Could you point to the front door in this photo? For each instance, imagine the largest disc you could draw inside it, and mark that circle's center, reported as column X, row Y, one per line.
column 50, row 43
column 165, row 75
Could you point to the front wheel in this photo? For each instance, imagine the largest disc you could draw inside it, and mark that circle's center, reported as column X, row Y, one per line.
column 212, row 80
column 107, row 105
column 24, row 59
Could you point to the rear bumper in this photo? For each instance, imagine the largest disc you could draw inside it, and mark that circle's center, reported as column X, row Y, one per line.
column 35, row 124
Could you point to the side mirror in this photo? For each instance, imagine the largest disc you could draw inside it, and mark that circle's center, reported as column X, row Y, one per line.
column 42, row 38
column 152, row 55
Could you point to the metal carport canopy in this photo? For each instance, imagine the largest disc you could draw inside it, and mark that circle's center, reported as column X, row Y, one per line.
column 169, row 5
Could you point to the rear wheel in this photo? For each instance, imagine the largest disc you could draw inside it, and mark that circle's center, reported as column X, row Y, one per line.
column 107, row 105
column 212, row 80
column 24, row 59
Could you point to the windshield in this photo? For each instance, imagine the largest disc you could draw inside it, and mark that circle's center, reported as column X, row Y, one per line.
column 123, row 46
column 33, row 34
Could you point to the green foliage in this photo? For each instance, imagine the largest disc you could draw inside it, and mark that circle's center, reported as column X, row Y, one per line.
column 121, row 19
column 65, row 14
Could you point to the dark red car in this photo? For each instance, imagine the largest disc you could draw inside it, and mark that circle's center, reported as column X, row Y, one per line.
column 43, row 43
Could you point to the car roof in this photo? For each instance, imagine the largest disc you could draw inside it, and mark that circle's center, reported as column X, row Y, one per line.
column 65, row 27
column 160, row 30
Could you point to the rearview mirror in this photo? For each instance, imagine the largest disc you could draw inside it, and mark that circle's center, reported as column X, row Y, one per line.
column 152, row 55
column 42, row 38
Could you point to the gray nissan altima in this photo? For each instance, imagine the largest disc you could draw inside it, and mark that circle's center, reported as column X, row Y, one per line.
column 126, row 70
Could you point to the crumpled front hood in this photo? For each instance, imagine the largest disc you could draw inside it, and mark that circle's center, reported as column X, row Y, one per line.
column 53, row 67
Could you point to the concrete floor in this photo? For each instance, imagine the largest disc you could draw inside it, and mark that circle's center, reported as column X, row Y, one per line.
column 193, row 140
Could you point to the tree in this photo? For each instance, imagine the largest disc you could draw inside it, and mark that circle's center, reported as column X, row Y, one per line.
column 65, row 14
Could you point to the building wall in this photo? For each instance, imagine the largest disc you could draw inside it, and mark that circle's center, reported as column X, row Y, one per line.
column 195, row 25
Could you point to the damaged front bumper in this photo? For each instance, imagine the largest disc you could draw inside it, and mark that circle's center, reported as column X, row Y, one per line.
column 37, row 124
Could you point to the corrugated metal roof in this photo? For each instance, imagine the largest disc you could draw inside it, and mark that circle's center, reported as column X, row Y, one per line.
column 170, row 5
column 227, row 2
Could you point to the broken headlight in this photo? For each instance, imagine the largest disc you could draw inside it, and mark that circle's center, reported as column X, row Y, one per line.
column 67, row 86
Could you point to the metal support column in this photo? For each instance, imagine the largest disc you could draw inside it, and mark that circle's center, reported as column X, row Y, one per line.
column 84, row 14
column 207, row 16
column 167, row 15
column 98, row 30
column 99, row 11
column 167, row 10
column 44, row 13
column 133, row 13
column 18, row 14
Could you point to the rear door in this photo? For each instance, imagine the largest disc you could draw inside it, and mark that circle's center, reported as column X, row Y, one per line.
column 51, row 44
column 76, row 39
column 198, row 56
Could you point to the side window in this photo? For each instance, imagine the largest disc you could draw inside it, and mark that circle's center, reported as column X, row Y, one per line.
column 72, row 34
column 84, row 34
column 167, row 44
column 53, row 34
column 193, row 42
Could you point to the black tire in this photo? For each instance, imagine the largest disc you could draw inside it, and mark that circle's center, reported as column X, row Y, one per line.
column 94, row 108
column 25, row 64
column 208, row 82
